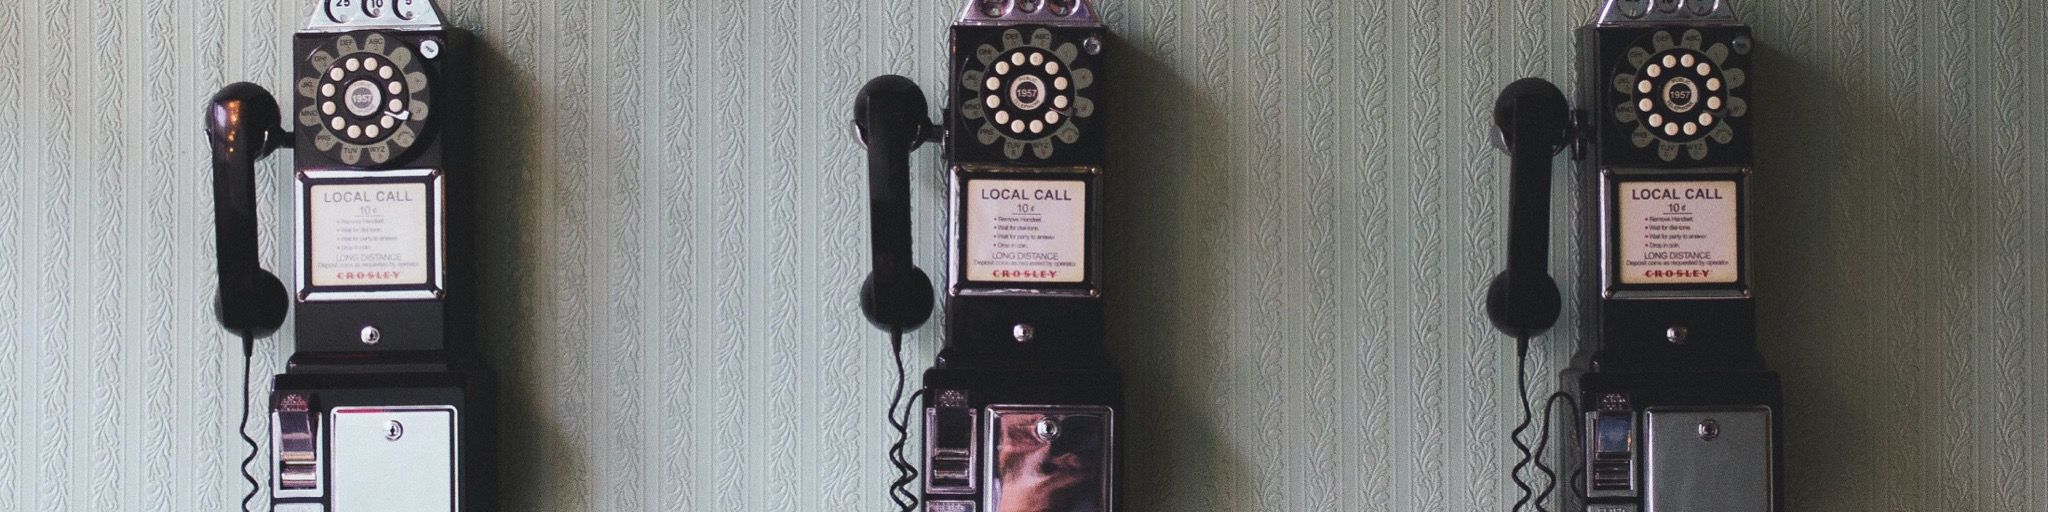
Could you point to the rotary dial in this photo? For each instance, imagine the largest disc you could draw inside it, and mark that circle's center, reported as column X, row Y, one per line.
column 1680, row 96
column 1027, row 94
column 367, row 101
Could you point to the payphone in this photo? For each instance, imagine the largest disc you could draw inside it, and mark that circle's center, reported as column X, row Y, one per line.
column 380, row 407
column 1020, row 408
column 1674, row 408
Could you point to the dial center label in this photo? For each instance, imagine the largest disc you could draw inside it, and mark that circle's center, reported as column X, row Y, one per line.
column 368, row 234
column 1027, row 231
column 1679, row 232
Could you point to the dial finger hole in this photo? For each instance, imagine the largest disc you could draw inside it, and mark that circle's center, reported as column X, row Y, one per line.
column 1643, row 87
column 1017, row 59
column 334, row 74
column 1706, row 119
column 353, row 64
column 1052, row 117
column 1059, row 101
column 1002, row 116
column 326, row 89
column 393, row 87
column 1002, row 67
column 1691, row 128
column 1656, row 120
column 336, row 123
column 371, row 131
column 1704, row 68
column 1017, row 125
column 992, row 101
column 1670, row 61
column 384, row 73
column 370, row 64
column 1671, row 129
column 992, row 83
column 1644, row 105
column 1653, row 70
column 355, row 131
column 395, row 105
column 1713, row 102
column 1037, row 126
column 1052, row 67
column 327, row 107
column 1685, row 61
column 1059, row 83
column 1713, row 84
column 386, row 122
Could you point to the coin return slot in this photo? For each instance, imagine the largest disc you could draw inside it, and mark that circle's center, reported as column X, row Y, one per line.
column 298, row 450
column 950, row 438
column 1612, row 470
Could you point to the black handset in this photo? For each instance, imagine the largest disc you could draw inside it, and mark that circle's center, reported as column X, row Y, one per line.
column 1024, row 375
column 1672, row 408
column 889, row 118
column 1533, row 122
column 241, row 128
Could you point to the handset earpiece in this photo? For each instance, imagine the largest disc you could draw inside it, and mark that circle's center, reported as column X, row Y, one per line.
column 889, row 118
column 1534, row 124
column 241, row 127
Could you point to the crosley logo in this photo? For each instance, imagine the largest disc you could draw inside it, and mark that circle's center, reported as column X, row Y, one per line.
column 356, row 276
column 1026, row 274
column 1675, row 273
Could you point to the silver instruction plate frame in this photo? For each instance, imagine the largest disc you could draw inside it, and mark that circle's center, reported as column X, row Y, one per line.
column 434, row 228
column 1612, row 286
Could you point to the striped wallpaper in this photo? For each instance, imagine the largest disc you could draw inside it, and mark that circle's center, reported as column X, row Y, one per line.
column 1305, row 211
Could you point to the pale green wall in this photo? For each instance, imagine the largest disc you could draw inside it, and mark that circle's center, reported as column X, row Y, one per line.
column 1306, row 212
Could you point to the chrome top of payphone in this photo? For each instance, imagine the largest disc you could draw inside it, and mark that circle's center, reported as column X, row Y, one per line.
column 1661, row 12
column 1064, row 13
column 346, row 15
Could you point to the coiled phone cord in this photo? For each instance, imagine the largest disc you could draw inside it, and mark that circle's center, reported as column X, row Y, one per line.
column 1528, row 456
column 899, row 419
column 242, row 428
column 1579, row 433
column 1534, row 456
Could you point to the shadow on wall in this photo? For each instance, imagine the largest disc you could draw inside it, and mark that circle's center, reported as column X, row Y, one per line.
column 1864, row 257
column 531, row 454
column 1166, row 146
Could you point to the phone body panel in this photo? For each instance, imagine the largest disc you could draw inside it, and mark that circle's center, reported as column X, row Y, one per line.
column 1021, row 405
column 377, row 116
column 1668, row 317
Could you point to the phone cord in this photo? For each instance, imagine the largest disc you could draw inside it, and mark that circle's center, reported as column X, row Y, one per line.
column 243, row 427
column 899, row 419
column 1579, row 429
column 1528, row 416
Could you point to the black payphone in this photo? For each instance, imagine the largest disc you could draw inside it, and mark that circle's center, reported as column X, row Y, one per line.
column 1020, row 408
column 380, row 407
column 1673, row 406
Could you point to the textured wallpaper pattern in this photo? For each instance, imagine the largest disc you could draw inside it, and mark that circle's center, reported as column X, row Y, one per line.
column 1305, row 211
